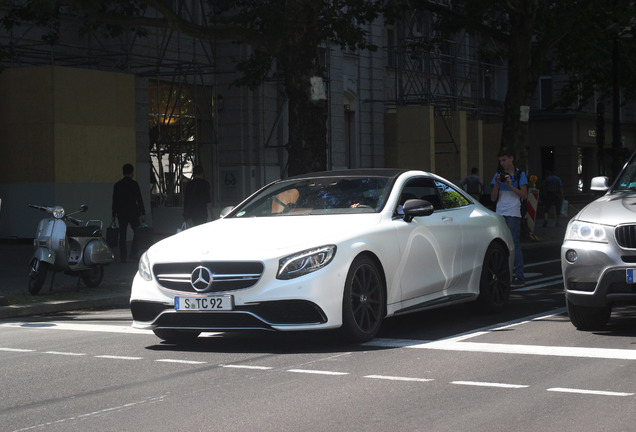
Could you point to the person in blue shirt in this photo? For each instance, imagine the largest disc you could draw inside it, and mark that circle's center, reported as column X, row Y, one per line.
column 510, row 186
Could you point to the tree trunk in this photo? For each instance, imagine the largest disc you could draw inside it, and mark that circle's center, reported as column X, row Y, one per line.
column 523, row 77
column 307, row 115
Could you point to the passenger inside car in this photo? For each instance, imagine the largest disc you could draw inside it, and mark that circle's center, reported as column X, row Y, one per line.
column 285, row 201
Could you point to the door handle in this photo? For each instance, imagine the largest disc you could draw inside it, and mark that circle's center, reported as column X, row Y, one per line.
column 447, row 219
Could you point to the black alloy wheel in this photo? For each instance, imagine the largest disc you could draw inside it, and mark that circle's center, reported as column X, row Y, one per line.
column 364, row 301
column 494, row 284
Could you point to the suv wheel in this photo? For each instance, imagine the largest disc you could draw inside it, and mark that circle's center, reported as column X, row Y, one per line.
column 588, row 317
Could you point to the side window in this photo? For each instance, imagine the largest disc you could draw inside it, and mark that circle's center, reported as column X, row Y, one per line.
column 420, row 188
column 451, row 198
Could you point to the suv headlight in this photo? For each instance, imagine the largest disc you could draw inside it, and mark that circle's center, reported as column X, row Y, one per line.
column 586, row 231
column 305, row 262
column 144, row 267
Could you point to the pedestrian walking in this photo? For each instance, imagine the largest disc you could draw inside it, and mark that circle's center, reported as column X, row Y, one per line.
column 197, row 203
column 552, row 197
column 472, row 184
column 510, row 186
column 128, row 208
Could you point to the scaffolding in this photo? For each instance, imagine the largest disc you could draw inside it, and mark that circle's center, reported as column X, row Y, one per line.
column 448, row 76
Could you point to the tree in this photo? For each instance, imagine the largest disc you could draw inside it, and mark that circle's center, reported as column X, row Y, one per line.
column 284, row 34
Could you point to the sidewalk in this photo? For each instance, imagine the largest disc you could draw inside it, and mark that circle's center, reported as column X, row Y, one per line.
column 66, row 294
column 114, row 291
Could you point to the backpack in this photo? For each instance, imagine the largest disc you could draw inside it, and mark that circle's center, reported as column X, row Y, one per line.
column 524, row 202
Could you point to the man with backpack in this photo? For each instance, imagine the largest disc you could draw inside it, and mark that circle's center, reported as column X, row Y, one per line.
column 510, row 188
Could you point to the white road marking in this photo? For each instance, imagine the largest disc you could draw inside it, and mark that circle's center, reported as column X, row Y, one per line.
column 541, row 263
column 191, row 362
column 92, row 414
column 489, row 384
column 75, row 326
column 590, row 392
column 64, row 353
column 16, row 350
column 399, row 378
column 553, row 280
column 247, row 367
column 114, row 357
column 316, row 372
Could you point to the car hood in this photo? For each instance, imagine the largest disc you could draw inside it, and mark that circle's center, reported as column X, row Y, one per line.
column 611, row 209
column 259, row 238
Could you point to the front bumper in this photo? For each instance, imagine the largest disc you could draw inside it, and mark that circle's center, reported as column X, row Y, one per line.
column 272, row 315
column 310, row 302
column 599, row 275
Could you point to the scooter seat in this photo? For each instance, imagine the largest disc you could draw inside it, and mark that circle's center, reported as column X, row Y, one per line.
column 85, row 231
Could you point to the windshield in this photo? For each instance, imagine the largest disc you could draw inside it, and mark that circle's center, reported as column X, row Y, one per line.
column 627, row 179
column 317, row 196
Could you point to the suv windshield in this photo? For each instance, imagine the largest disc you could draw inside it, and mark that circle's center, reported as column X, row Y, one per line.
column 627, row 179
column 323, row 195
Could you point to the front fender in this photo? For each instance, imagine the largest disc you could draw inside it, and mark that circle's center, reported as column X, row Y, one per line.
column 43, row 254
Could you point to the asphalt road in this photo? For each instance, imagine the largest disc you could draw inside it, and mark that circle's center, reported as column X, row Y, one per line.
column 444, row 370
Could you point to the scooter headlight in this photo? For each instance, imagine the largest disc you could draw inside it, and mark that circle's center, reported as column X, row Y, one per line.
column 144, row 267
column 58, row 212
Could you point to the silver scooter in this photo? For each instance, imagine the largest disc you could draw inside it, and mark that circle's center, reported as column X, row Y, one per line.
column 79, row 251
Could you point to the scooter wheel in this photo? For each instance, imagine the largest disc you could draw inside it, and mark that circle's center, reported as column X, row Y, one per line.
column 37, row 274
column 93, row 277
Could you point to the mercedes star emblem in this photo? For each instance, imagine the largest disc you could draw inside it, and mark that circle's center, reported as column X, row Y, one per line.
column 201, row 279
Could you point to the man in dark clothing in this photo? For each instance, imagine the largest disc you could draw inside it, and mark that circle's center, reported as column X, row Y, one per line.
column 128, row 208
column 472, row 184
column 197, row 203
column 553, row 197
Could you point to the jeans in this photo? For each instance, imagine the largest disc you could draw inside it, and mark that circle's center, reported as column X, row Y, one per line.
column 514, row 224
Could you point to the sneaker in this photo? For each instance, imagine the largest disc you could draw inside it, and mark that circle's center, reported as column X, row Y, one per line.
column 517, row 283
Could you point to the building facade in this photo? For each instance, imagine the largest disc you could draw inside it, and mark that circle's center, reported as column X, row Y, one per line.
column 73, row 113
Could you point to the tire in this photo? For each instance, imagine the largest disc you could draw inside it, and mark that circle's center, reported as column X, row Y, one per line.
column 177, row 336
column 364, row 301
column 37, row 275
column 588, row 317
column 93, row 277
column 494, row 284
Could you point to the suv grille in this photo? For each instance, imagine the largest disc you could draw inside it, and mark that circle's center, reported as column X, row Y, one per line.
column 228, row 276
column 626, row 236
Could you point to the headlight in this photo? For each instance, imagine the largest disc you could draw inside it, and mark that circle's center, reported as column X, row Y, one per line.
column 144, row 267
column 585, row 231
column 58, row 212
column 305, row 262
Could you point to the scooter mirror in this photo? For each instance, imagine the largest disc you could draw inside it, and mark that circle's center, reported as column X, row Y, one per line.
column 83, row 207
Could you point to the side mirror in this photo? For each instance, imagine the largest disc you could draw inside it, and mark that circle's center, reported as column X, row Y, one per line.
column 83, row 208
column 600, row 184
column 417, row 207
column 226, row 211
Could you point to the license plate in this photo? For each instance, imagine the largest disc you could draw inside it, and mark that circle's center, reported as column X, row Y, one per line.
column 207, row 304
column 630, row 276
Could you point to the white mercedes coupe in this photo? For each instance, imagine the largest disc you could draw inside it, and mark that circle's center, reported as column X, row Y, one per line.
column 331, row 250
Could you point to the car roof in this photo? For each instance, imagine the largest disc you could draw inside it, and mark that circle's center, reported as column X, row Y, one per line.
column 391, row 173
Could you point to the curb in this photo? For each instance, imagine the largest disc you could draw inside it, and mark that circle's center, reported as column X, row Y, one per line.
column 103, row 301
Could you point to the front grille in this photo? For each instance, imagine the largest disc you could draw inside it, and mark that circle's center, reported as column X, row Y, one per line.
column 227, row 276
column 626, row 236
